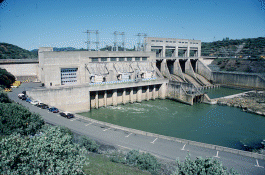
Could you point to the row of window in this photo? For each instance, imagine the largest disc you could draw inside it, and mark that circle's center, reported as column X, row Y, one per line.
column 119, row 59
column 68, row 69
column 69, row 81
column 68, row 73
column 181, row 42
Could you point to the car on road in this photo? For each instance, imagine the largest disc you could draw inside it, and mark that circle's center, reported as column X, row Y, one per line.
column 67, row 115
column 34, row 102
column 43, row 106
column 24, row 98
column 53, row 109
column 20, row 95
column 28, row 100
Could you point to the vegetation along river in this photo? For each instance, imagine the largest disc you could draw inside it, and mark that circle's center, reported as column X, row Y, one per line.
column 218, row 125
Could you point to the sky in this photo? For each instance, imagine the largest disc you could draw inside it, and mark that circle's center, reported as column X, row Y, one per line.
column 31, row 24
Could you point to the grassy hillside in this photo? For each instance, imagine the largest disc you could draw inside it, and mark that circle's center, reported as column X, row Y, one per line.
column 240, row 48
column 9, row 51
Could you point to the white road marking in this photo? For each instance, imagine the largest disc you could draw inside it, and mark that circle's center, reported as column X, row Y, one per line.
column 106, row 129
column 183, row 147
column 73, row 119
column 89, row 124
column 154, row 141
column 217, row 155
column 258, row 164
column 128, row 135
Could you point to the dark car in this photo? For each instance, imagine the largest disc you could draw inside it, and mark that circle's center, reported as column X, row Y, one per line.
column 53, row 109
column 67, row 115
column 43, row 106
column 23, row 97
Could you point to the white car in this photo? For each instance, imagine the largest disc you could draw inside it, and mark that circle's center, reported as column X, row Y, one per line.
column 20, row 95
column 34, row 102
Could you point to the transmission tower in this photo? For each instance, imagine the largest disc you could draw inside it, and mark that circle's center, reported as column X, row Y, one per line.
column 115, row 40
column 88, row 42
column 140, row 45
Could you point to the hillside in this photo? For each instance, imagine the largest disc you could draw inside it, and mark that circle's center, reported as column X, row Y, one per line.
column 9, row 51
column 239, row 48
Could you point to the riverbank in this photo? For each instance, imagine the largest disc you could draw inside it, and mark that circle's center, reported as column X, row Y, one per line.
column 252, row 102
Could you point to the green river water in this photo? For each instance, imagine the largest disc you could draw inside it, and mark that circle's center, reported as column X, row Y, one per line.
column 214, row 124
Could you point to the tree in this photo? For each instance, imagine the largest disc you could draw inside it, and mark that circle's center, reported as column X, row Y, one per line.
column 17, row 118
column 50, row 152
column 6, row 78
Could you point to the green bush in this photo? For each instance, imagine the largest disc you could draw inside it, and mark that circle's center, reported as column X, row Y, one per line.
column 89, row 144
column 148, row 162
column 132, row 157
column 16, row 118
column 118, row 157
column 202, row 166
column 3, row 97
column 51, row 152
column 144, row 161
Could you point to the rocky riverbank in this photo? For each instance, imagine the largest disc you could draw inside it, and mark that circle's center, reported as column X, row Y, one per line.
column 253, row 102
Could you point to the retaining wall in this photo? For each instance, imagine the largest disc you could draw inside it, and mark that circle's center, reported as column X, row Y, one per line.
column 247, row 80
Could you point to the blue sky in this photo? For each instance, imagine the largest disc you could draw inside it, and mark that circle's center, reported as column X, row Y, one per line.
column 60, row 23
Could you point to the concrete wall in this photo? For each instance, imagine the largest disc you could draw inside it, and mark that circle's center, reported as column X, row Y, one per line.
column 83, row 98
column 176, row 92
column 239, row 79
column 189, row 69
column 66, row 98
column 177, row 69
column 203, row 70
column 22, row 71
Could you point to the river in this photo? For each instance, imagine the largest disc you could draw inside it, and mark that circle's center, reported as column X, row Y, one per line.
column 213, row 124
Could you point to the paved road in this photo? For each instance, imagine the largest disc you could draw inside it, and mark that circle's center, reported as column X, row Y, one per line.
column 165, row 149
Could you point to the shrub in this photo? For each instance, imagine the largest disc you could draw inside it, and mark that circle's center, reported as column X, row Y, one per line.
column 118, row 157
column 202, row 166
column 16, row 118
column 144, row 161
column 89, row 144
column 132, row 157
column 51, row 152
column 3, row 97
column 148, row 162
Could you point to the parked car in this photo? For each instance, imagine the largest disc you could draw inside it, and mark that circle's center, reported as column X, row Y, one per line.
column 34, row 102
column 20, row 95
column 67, row 115
column 28, row 100
column 43, row 106
column 23, row 97
column 53, row 109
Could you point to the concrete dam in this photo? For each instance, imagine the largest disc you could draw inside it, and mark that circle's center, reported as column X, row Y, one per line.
column 78, row 81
